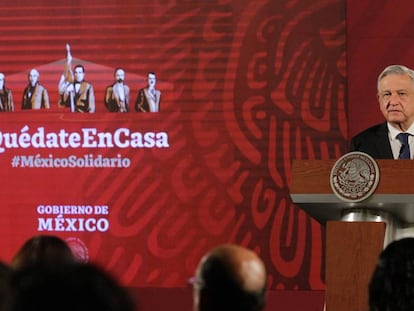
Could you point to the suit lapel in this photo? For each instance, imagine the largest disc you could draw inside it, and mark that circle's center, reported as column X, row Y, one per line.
column 383, row 143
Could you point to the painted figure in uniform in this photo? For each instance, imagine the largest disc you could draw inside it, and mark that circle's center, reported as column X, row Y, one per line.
column 6, row 95
column 149, row 98
column 35, row 96
column 117, row 94
column 74, row 91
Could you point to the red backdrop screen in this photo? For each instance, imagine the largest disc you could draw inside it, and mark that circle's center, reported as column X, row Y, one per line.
column 247, row 86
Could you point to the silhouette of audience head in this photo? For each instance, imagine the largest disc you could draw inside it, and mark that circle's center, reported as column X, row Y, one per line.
column 230, row 277
column 45, row 276
column 43, row 249
column 5, row 274
column 67, row 287
column 391, row 286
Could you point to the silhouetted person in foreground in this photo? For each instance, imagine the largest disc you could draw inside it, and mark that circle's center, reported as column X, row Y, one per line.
column 43, row 249
column 67, row 287
column 5, row 274
column 392, row 284
column 230, row 277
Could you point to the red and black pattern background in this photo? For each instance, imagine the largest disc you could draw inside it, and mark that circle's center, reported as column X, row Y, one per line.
column 378, row 35
column 247, row 86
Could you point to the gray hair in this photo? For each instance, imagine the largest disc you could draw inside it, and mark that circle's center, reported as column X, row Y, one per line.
column 397, row 70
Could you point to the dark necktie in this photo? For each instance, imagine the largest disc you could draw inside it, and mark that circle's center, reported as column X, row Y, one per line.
column 405, row 148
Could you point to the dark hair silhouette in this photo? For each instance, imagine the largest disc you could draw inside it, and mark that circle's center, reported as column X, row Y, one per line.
column 392, row 284
column 68, row 287
column 43, row 249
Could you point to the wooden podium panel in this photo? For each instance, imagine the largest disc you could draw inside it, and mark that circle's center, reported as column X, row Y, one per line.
column 352, row 250
column 353, row 246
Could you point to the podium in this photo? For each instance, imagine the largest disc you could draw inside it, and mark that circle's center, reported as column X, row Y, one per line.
column 356, row 232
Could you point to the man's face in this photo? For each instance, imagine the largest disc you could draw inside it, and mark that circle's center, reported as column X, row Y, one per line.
column 151, row 80
column 79, row 74
column 396, row 100
column 119, row 76
column 33, row 77
column 1, row 81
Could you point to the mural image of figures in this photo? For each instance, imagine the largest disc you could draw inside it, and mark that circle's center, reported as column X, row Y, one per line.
column 6, row 95
column 74, row 91
column 35, row 96
column 149, row 98
column 117, row 95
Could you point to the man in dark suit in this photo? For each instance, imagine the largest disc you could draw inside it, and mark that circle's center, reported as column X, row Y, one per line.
column 396, row 99
column 149, row 98
column 35, row 96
